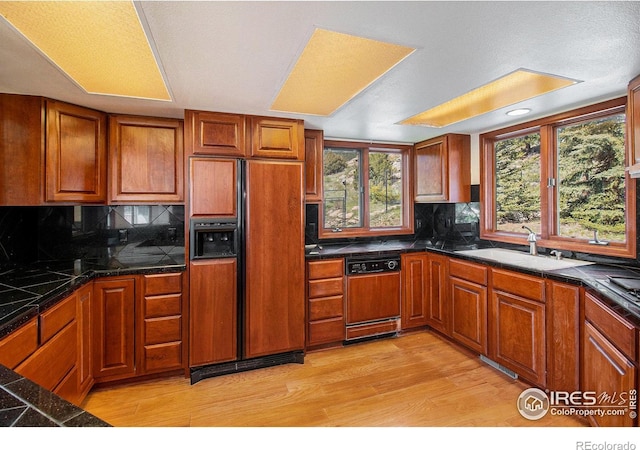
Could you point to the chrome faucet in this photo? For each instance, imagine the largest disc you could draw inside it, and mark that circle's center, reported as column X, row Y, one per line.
column 531, row 239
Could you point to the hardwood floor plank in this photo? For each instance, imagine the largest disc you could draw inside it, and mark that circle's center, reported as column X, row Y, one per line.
column 418, row 379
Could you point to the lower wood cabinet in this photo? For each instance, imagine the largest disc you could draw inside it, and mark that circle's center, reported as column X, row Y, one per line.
column 415, row 290
column 517, row 324
column 438, row 315
column 325, row 302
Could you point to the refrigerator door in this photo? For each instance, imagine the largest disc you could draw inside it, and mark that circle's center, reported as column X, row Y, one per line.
column 274, row 258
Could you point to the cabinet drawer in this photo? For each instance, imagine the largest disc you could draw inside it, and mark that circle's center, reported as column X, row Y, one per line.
column 163, row 356
column 325, row 308
column 55, row 319
column 515, row 283
column 326, row 288
column 163, row 284
column 374, row 329
column 468, row 271
column 165, row 329
column 331, row 268
column 325, row 331
column 52, row 361
column 19, row 345
column 163, row 305
column 617, row 330
column 68, row 387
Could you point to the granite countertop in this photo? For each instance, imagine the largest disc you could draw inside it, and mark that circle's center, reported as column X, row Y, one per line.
column 26, row 404
column 27, row 290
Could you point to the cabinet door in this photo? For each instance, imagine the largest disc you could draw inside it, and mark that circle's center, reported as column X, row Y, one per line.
column 373, row 297
column 518, row 335
column 213, row 185
column 313, row 147
column 145, row 160
column 213, row 311
column 113, row 328
column 275, row 265
column 415, row 290
column 22, row 133
column 438, row 312
column 277, row 138
column 469, row 314
column 606, row 370
column 563, row 336
column 633, row 118
column 76, row 157
column 213, row 133
column 85, row 342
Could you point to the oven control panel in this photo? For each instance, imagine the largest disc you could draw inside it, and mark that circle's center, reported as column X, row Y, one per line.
column 361, row 266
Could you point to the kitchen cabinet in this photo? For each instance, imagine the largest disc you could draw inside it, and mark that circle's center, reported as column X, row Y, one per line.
column 146, row 160
column 114, row 328
column 609, row 359
column 212, row 184
column 415, row 290
column 215, row 134
column 469, row 304
column 442, row 169
column 274, row 313
column 313, row 147
column 325, row 302
column 76, row 154
column 563, row 336
column 213, row 311
column 51, row 151
column 517, row 324
column 19, row 345
column 161, row 344
column 633, row 118
column 277, row 138
column 438, row 315
column 85, row 340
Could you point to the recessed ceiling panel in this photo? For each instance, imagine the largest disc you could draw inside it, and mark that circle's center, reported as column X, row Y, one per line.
column 332, row 69
column 511, row 89
column 100, row 45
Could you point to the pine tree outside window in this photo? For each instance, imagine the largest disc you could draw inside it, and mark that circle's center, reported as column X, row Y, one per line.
column 564, row 177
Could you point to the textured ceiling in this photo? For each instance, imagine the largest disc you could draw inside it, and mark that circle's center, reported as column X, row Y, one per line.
column 234, row 56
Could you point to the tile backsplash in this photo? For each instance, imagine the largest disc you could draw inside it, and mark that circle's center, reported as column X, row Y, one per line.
column 29, row 234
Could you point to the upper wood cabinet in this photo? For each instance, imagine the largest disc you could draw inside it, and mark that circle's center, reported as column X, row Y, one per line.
column 313, row 148
column 633, row 118
column 146, row 160
column 213, row 187
column 277, row 138
column 76, row 157
column 213, row 133
column 442, row 169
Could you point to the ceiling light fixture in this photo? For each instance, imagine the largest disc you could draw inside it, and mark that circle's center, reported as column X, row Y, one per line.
column 332, row 69
column 518, row 112
column 511, row 89
column 100, row 45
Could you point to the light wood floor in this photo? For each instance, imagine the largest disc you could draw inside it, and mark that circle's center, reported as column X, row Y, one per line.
column 413, row 380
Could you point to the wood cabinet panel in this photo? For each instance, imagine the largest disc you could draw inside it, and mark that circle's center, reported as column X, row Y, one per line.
column 275, row 266
column 415, row 290
column 158, row 330
column 113, row 327
column 469, row 320
column 162, row 305
column 563, row 336
column 442, row 169
column 213, row 311
column 162, row 357
column 373, row 297
column 620, row 332
column 519, row 284
column 19, row 345
column 326, row 331
column 606, row 370
column 76, row 160
column 146, row 158
column 439, row 304
column 325, row 302
column 56, row 318
column 213, row 185
column 329, row 268
column 163, row 283
column 22, row 150
column 326, row 287
column 633, row 118
column 313, row 147
column 85, row 340
column 475, row 273
column 326, row 307
column 277, row 138
column 213, row 133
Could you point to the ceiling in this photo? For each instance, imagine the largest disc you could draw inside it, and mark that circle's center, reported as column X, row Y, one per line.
column 234, row 57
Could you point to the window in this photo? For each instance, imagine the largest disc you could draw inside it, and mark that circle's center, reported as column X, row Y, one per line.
column 564, row 178
column 365, row 190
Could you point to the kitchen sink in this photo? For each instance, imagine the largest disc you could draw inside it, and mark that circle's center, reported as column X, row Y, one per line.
column 521, row 259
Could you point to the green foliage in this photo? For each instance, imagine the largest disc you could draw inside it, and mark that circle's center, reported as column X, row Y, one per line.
column 333, row 163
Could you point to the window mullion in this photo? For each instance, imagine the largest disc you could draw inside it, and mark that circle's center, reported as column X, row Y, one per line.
column 548, row 159
column 364, row 188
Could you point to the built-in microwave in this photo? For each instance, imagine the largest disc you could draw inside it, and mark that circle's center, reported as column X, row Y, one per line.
column 212, row 238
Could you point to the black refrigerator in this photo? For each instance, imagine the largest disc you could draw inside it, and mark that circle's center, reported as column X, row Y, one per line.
column 246, row 270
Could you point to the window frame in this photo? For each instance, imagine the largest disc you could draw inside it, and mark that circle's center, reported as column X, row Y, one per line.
column 407, row 204
column 548, row 236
